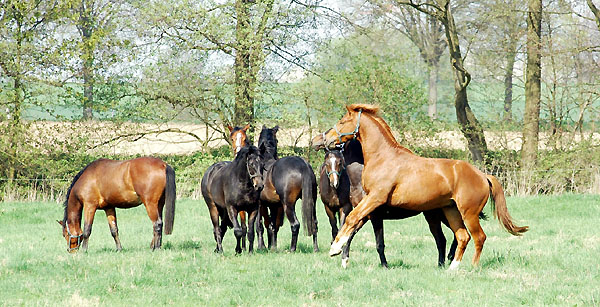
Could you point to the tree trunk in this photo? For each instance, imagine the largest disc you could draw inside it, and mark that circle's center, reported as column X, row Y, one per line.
column 596, row 12
column 86, row 28
column 469, row 125
column 531, row 117
column 245, row 79
column 433, row 76
column 508, row 80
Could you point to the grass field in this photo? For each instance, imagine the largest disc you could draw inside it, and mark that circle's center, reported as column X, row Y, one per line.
column 556, row 263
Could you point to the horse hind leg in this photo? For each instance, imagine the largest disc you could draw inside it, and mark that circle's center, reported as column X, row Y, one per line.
column 294, row 224
column 471, row 219
column 111, row 216
column 157, row 224
column 460, row 232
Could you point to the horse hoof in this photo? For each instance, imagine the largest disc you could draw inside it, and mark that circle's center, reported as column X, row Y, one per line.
column 345, row 262
column 453, row 265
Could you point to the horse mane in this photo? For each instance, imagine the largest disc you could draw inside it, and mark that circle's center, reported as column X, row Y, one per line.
column 264, row 143
column 384, row 128
column 66, row 203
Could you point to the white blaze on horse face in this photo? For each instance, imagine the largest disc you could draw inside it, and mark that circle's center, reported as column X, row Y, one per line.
column 238, row 143
column 334, row 180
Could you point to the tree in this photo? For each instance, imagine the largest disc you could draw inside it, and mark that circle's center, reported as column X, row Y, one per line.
column 531, row 118
column 427, row 33
column 22, row 54
column 469, row 125
column 234, row 36
column 595, row 11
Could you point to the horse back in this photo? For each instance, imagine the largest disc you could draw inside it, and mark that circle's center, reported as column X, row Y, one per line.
column 111, row 183
column 286, row 176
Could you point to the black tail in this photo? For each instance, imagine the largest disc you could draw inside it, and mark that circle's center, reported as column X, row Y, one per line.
column 309, row 198
column 170, row 196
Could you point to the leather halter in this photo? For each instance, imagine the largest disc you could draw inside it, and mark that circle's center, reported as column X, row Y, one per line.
column 353, row 133
column 71, row 236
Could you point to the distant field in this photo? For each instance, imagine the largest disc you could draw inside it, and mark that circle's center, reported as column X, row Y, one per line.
column 555, row 263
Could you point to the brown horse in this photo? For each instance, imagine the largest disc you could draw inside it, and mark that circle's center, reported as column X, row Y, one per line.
column 109, row 184
column 396, row 177
column 349, row 190
column 238, row 138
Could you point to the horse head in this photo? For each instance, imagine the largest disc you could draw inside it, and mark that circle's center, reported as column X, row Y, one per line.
column 73, row 241
column 334, row 165
column 251, row 158
column 347, row 128
column 238, row 137
column 267, row 142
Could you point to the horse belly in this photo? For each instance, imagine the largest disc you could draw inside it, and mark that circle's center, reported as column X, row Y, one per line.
column 420, row 199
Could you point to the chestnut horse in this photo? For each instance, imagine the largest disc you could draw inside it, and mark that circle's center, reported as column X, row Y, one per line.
column 230, row 187
column 349, row 191
column 108, row 184
column 396, row 177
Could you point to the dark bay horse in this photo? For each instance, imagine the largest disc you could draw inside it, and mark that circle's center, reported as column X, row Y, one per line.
column 349, row 190
column 230, row 187
column 108, row 184
column 396, row 177
column 238, row 138
column 286, row 180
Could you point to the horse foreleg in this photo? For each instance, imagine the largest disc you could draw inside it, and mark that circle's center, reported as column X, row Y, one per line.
column 244, row 228
column 332, row 221
column 89, row 212
column 434, row 220
column 237, row 229
column 263, row 213
column 346, row 251
column 362, row 210
column 111, row 216
column 251, row 221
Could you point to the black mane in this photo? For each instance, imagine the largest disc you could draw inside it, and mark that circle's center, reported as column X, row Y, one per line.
column 65, row 204
column 267, row 143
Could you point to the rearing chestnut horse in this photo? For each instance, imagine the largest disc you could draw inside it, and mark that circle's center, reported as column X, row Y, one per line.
column 396, row 177
column 109, row 184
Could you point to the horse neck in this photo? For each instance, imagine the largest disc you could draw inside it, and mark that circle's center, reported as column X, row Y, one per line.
column 270, row 154
column 73, row 214
column 240, row 168
column 377, row 140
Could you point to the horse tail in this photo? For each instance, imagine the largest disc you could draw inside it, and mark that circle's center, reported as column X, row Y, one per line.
column 500, row 210
column 169, row 200
column 309, row 198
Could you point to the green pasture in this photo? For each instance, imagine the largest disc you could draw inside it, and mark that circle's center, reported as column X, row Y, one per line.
column 556, row 263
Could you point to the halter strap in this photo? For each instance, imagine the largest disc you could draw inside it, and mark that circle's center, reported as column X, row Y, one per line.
column 353, row 133
column 71, row 236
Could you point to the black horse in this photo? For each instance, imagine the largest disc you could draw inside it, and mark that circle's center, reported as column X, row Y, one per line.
column 230, row 187
column 348, row 162
column 286, row 180
column 334, row 188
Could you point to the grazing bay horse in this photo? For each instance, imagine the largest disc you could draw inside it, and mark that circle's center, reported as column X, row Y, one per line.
column 349, row 190
column 286, row 180
column 230, row 187
column 396, row 177
column 107, row 184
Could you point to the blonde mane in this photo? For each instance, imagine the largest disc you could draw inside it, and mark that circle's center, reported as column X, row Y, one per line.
column 384, row 128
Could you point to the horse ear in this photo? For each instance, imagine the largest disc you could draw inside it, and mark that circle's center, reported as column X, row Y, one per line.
column 60, row 222
column 275, row 129
column 230, row 128
column 348, row 107
column 246, row 127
